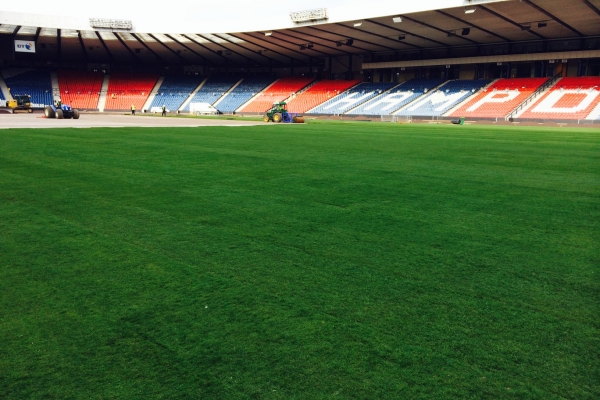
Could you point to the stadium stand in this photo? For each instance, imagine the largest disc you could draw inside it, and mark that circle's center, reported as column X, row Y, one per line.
column 569, row 98
column 212, row 90
column 441, row 100
column 243, row 92
column 37, row 84
column 279, row 91
column 351, row 98
column 317, row 94
column 80, row 89
column 389, row 102
column 498, row 100
column 125, row 89
column 174, row 90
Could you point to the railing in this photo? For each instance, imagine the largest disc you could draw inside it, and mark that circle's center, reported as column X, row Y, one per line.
column 534, row 95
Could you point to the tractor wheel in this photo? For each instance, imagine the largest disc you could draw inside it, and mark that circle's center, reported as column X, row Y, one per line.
column 49, row 112
column 30, row 110
column 266, row 118
column 75, row 114
column 59, row 114
column 277, row 117
column 298, row 120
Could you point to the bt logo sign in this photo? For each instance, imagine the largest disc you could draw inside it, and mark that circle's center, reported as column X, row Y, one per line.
column 24, row 46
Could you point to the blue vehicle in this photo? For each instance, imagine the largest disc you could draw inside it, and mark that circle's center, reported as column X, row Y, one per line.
column 61, row 111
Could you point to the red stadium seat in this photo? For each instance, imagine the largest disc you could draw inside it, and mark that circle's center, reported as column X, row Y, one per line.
column 80, row 89
column 570, row 98
column 127, row 89
column 500, row 98
column 317, row 94
column 279, row 91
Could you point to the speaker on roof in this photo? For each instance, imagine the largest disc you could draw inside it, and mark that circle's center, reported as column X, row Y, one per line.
column 349, row 42
column 466, row 31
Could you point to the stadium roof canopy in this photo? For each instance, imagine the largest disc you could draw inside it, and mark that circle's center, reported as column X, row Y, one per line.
column 460, row 23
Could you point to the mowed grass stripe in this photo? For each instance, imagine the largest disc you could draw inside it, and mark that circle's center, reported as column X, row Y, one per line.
column 326, row 260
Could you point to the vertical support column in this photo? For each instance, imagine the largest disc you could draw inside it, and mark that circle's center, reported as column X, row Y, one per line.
column 59, row 47
column 349, row 74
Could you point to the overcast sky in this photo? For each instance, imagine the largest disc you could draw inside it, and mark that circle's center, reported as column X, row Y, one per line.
column 218, row 16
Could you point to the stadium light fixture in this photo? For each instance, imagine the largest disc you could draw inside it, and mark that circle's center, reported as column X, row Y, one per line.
column 338, row 44
column 451, row 33
column 302, row 47
column 542, row 24
column 310, row 45
column 349, row 42
column 469, row 10
column 268, row 33
column 466, row 31
column 397, row 20
column 526, row 27
column 357, row 23
column 401, row 37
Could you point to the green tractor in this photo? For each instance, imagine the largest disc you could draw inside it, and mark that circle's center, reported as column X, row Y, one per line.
column 279, row 113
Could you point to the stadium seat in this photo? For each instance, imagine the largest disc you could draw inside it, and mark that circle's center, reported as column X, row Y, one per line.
column 389, row 102
column 37, row 84
column 498, row 100
column 212, row 90
column 80, row 89
column 243, row 92
column 317, row 94
column 174, row 90
column 441, row 100
column 569, row 98
column 125, row 89
column 279, row 91
column 352, row 97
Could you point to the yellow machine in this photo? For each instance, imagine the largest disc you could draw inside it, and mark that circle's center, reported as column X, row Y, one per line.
column 20, row 103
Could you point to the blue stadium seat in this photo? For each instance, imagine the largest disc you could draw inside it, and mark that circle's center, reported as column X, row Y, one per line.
column 212, row 90
column 243, row 92
column 398, row 97
column 174, row 90
column 438, row 102
column 37, row 84
column 351, row 98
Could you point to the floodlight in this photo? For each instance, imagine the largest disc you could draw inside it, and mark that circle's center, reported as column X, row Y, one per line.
column 349, row 42
column 338, row 44
column 310, row 45
column 542, row 24
column 268, row 33
column 401, row 37
column 302, row 47
column 526, row 27
column 466, row 31
column 469, row 10
column 451, row 33
column 358, row 23
column 397, row 19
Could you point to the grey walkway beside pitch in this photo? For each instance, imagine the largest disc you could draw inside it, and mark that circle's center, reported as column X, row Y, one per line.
column 36, row 120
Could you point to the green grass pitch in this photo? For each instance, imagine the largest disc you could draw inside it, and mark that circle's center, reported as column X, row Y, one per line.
column 317, row 261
